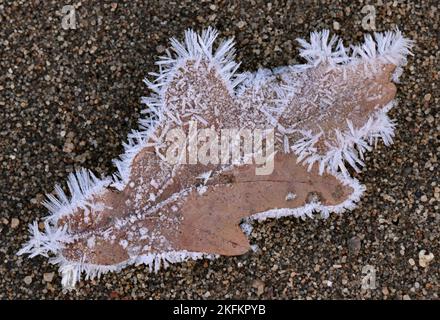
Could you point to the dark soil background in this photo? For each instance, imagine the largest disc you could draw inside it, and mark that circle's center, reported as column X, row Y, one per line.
column 68, row 98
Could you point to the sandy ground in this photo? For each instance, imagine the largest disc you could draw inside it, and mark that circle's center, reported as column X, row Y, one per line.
column 69, row 97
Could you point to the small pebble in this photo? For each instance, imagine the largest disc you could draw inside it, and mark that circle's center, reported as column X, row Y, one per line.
column 241, row 24
column 425, row 258
column 14, row 223
column 68, row 147
column 259, row 285
column 48, row 277
column 354, row 245
column 160, row 49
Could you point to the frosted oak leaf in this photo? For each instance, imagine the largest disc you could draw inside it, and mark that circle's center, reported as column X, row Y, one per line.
column 324, row 115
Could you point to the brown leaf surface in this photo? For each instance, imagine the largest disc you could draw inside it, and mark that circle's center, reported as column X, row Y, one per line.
column 172, row 214
column 209, row 222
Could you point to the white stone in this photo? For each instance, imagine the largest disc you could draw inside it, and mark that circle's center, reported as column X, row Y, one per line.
column 14, row 223
column 425, row 258
column 48, row 277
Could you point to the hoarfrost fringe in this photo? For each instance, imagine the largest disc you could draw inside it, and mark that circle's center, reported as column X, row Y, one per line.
column 51, row 241
column 82, row 184
column 316, row 206
column 388, row 47
column 349, row 146
column 71, row 271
